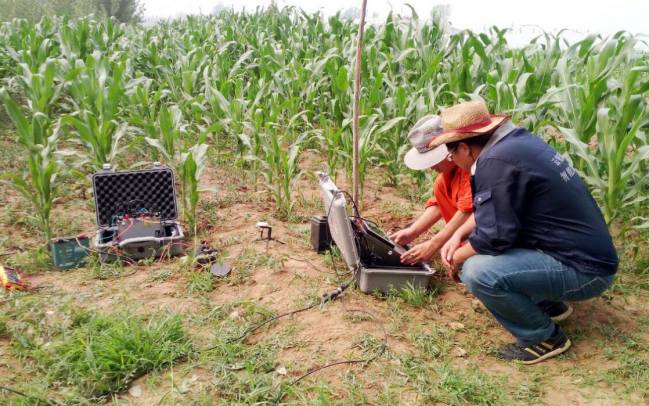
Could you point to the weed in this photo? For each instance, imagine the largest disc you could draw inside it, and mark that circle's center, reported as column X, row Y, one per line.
column 4, row 332
column 469, row 386
column 32, row 261
column 105, row 270
column 200, row 282
column 162, row 274
column 249, row 260
column 106, row 352
column 397, row 210
column 417, row 296
column 432, row 344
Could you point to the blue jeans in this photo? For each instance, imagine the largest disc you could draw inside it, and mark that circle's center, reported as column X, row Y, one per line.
column 512, row 284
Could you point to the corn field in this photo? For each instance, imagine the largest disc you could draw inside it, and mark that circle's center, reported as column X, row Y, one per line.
column 268, row 86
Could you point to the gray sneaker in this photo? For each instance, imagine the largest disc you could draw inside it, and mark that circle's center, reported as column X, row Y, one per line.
column 532, row 354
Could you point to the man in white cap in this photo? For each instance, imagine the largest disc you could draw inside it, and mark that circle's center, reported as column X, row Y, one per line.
column 451, row 199
column 537, row 237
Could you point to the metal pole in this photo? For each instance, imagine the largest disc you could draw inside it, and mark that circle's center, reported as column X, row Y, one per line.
column 357, row 91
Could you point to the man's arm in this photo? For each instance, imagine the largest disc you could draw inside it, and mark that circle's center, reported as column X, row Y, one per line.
column 429, row 217
column 466, row 228
column 454, row 242
column 426, row 250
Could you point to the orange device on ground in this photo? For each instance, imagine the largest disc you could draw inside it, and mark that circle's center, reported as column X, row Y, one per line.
column 10, row 279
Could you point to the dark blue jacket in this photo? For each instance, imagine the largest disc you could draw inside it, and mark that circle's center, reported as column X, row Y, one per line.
column 526, row 195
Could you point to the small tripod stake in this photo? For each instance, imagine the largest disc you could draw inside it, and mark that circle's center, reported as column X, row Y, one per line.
column 268, row 229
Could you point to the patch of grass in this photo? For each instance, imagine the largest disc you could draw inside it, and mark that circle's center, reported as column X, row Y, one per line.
column 227, row 241
column 438, row 382
column 416, row 296
column 631, row 374
column 32, row 261
column 432, row 344
column 410, row 294
column 530, row 392
column 207, row 214
column 105, row 270
column 355, row 395
column 467, row 386
column 244, row 373
column 80, row 355
column 200, row 282
column 250, row 260
column 398, row 210
column 12, row 155
column 162, row 274
column 4, row 332
column 106, row 352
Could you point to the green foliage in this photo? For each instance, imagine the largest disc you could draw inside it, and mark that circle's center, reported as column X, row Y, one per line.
column 97, row 90
column 192, row 165
column 106, row 352
column 416, row 296
column 85, row 355
column 36, row 133
column 201, row 281
column 127, row 11
column 268, row 86
column 607, row 119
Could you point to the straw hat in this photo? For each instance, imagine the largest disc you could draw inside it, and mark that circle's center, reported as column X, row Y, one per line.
column 422, row 155
column 467, row 120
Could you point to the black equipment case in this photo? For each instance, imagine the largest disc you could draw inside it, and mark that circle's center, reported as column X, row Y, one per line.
column 137, row 213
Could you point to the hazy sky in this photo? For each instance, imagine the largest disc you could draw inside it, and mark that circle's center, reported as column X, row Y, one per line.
column 601, row 16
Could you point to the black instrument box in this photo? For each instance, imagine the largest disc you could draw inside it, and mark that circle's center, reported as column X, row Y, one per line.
column 320, row 234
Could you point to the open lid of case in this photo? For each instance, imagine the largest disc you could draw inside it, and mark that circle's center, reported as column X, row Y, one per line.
column 338, row 219
column 150, row 189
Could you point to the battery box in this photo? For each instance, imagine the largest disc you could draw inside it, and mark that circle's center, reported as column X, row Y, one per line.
column 320, row 235
column 69, row 252
column 367, row 251
column 137, row 214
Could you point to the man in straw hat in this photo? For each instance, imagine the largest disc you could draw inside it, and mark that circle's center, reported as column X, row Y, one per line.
column 537, row 237
column 451, row 192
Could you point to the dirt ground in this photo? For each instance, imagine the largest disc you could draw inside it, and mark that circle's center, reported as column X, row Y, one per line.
column 593, row 372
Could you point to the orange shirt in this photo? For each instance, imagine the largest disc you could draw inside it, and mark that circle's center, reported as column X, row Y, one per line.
column 452, row 192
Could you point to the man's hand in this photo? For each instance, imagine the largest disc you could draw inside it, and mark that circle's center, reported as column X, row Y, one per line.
column 448, row 250
column 421, row 252
column 403, row 237
column 453, row 271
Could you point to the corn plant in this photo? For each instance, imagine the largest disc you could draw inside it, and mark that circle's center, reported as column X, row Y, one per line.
column 38, row 182
column 167, row 134
column 97, row 90
column 189, row 163
column 192, row 164
column 584, row 73
column 612, row 161
column 367, row 147
column 279, row 168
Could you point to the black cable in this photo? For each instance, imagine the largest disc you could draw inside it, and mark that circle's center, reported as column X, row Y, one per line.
column 311, row 263
column 256, row 327
column 357, row 213
column 129, row 261
column 368, row 360
column 40, row 400
column 251, row 330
